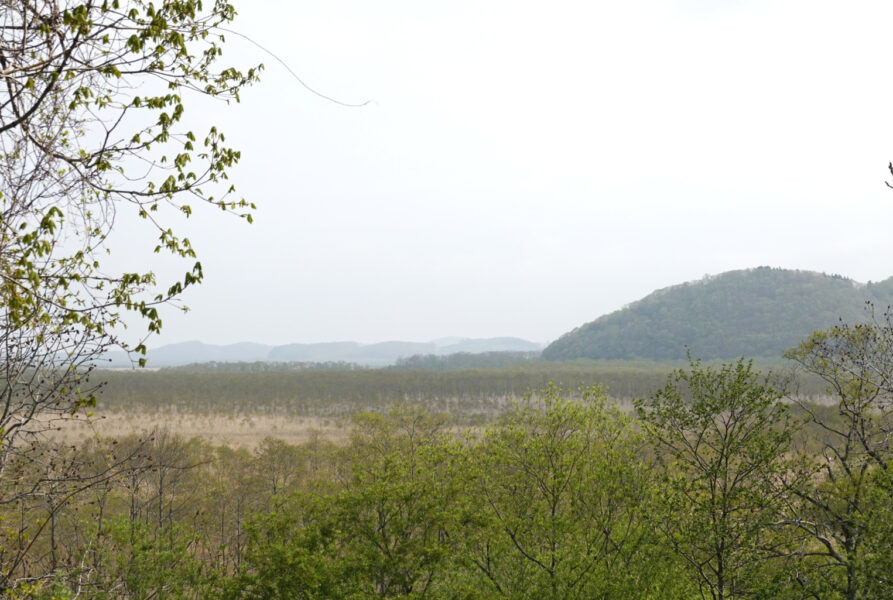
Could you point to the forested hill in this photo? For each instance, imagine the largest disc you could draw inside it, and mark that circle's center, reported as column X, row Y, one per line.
column 754, row 312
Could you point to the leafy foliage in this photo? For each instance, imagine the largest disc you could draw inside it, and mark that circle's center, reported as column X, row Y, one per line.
column 721, row 436
column 846, row 515
column 92, row 107
column 91, row 116
column 563, row 501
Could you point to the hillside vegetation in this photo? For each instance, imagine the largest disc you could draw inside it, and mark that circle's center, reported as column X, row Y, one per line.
column 756, row 312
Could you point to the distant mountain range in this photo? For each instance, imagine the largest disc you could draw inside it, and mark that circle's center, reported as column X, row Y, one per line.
column 758, row 312
column 373, row 355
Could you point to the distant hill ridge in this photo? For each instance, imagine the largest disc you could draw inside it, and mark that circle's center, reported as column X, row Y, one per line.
column 757, row 312
column 376, row 355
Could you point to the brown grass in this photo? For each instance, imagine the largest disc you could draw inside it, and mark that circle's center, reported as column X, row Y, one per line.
column 235, row 431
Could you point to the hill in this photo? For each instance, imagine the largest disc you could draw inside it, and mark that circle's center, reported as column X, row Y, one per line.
column 754, row 312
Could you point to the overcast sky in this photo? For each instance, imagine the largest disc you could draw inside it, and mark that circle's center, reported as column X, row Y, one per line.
column 525, row 167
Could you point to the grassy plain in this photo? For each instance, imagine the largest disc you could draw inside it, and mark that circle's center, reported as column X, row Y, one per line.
column 241, row 409
column 242, row 431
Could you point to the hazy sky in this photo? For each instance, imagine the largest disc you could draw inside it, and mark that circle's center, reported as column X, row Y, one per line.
column 528, row 166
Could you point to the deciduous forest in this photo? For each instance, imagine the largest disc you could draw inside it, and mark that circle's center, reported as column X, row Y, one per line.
column 712, row 486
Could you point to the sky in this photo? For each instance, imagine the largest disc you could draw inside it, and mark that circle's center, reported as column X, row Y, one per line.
column 522, row 168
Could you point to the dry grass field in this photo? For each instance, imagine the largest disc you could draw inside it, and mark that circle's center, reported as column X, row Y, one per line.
column 242, row 431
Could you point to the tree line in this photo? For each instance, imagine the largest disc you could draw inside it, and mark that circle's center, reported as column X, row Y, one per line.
column 468, row 396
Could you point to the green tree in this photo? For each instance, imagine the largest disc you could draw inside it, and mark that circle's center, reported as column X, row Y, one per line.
column 563, row 501
column 721, row 436
column 292, row 551
column 92, row 106
column 91, row 124
column 383, row 532
column 146, row 563
column 395, row 510
column 846, row 513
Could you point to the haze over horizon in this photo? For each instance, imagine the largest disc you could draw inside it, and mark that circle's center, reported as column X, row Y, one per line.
column 448, row 340
column 445, row 341
column 522, row 171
